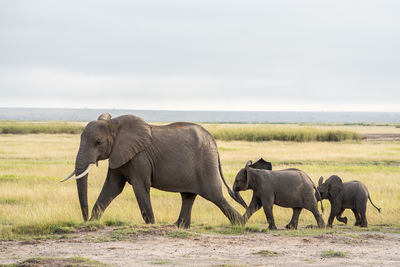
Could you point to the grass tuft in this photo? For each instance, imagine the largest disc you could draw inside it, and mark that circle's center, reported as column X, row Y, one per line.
column 333, row 254
column 49, row 261
column 266, row 253
column 161, row 262
column 179, row 234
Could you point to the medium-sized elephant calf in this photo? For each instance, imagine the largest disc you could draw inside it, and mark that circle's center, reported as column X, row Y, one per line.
column 291, row 188
column 349, row 195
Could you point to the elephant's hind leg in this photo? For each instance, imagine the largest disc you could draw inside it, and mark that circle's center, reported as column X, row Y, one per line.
column 318, row 216
column 218, row 199
column 295, row 219
column 357, row 216
column 363, row 215
column 186, row 210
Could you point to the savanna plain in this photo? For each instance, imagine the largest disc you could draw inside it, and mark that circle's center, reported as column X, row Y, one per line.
column 41, row 222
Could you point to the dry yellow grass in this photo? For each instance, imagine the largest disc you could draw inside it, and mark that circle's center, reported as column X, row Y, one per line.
column 32, row 165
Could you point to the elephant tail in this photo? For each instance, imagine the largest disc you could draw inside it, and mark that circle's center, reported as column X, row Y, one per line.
column 235, row 195
column 379, row 209
column 316, row 189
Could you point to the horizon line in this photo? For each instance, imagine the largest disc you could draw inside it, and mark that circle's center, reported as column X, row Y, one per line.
column 199, row 110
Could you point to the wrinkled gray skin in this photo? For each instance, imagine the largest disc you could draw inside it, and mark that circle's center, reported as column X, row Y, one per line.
column 179, row 157
column 289, row 188
column 350, row 195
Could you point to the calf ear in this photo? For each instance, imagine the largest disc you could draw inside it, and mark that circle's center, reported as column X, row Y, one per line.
column 262, row 164
column 335, row 185
column 248, row 164
column 247, row 172
column 321, row 180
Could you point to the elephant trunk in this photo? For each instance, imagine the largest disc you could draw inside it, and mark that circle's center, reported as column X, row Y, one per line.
column 80, row 167
column 82, row 193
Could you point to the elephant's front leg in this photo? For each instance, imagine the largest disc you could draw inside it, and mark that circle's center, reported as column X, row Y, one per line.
column 340, row 218
column 267, row 204
column 142, row 193
column 254, row 206
column 335, row 209
column 112, row 187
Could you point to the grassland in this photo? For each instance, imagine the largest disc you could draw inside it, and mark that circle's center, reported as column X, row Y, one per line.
column 226, row 132
column 33, row 201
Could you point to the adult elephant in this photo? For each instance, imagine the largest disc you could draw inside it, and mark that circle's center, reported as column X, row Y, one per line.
column 179, row 157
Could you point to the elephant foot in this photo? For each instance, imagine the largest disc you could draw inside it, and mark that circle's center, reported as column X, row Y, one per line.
column 364, row 225
column 272, row 227
column 357, row 224
column 343, row 220
column 238, row 220
column 94, row 217
column 182, row 224
column 148, row 219
column 291, row 226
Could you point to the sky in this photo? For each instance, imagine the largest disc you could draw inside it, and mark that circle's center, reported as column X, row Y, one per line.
column 340, row 55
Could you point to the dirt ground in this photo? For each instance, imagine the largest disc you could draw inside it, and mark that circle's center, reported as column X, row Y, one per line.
column 170, row 247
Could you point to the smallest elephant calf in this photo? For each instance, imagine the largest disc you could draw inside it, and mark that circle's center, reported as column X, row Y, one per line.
column 350, row 195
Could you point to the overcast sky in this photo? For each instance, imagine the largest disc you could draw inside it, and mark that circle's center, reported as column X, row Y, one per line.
column 201, row 55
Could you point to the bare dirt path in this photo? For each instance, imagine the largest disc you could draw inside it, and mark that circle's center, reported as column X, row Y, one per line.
column 255, row 249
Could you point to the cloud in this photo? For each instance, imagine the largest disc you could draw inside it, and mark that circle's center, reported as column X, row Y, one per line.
column 259, row 55
column 58, row 88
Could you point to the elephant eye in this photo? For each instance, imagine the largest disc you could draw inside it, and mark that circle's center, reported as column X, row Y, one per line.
column 98, row 142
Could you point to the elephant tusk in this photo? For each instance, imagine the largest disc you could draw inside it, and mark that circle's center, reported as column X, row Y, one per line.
column 85, row 172
column 69, row 176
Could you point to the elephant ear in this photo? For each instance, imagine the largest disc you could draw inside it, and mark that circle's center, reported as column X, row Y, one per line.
column 132, row 135
column 246, row 171
column 248, row 164
column 262, row 164
column 335, row 185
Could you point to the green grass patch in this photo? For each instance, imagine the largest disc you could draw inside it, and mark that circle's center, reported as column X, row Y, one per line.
column 229, row 229
column 25, row 127
column 227, row 132
column 257, row 133
column 266, row 253
column 45, row 230
column 118, row 234
column 333, row 254
column 161, row 262
column 179, row 234
column 73, row 261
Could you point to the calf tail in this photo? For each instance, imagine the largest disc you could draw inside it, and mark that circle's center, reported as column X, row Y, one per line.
column 379, row 209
